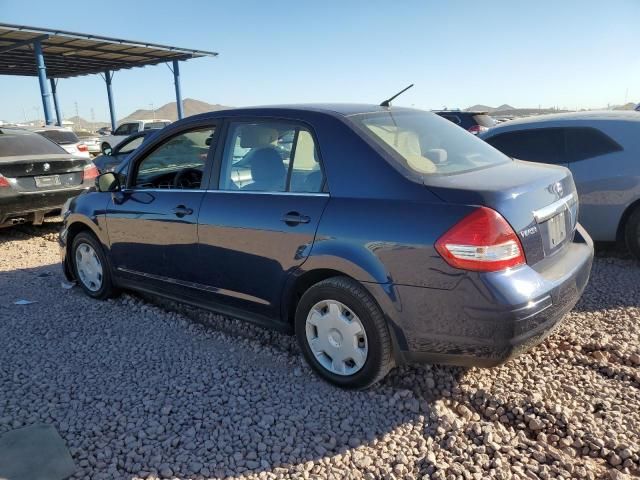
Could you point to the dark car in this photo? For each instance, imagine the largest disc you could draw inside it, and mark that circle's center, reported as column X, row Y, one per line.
column 37, row 176
column 388, row 235
column 474, row 122
column 111, row 159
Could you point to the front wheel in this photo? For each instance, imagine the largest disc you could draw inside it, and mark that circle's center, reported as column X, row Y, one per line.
column 632, row 233
column 91, row 266
column 342, row 333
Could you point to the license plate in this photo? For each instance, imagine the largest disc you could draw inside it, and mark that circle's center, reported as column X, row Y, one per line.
column 557, row 226
column 48, row 181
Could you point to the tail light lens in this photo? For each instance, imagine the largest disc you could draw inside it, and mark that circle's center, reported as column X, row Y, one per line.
column 482, row 241
column 90, row 172
column 83, row 148
column 476, row 129
column 4, row 182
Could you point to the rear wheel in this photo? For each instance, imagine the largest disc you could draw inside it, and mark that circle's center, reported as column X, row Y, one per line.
column 91, row 266
column 632, row 233
column 342, row 333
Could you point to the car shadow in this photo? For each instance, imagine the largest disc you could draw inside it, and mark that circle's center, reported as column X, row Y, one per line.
column 302, row 419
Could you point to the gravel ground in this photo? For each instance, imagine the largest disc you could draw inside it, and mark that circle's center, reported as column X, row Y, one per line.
column 142, row 388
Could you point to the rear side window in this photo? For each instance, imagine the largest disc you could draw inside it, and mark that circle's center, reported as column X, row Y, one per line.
column 61, row 137
column 544, row 145
column 20, row 143
column 270, row 156
column 587, row 143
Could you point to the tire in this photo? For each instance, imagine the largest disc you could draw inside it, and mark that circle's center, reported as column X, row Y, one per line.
column 632, row 233
column 360, row 313
column 87, row 276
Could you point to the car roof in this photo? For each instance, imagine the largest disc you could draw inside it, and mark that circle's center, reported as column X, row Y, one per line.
column 606, row 115
column 48, row 127
column 332, row 109
column 464, row 112
column 16, row 130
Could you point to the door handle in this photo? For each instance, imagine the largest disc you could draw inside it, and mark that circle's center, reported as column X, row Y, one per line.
column 180, row 211
column 294, row 218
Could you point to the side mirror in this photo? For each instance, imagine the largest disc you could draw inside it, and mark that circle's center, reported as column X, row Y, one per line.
column 107, row 151
column 108, row 182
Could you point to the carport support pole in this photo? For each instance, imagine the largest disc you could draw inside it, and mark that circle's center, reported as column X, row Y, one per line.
column 108, row 76
column 42, row 77
column 176, row 82
column 56, row 105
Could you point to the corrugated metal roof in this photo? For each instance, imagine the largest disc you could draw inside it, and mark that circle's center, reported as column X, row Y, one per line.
column 69, row 54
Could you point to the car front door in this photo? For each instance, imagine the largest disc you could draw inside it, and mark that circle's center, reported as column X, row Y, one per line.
column 260, row 223
column 152, row 223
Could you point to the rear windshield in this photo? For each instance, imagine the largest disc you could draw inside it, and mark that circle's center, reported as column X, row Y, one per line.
column 427, row 143
column 484, row 120
column 14, row 143
column 61, row 137
column 153, row 125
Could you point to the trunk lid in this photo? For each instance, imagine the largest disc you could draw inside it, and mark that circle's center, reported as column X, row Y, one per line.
column 539, row 201
column 31, row 173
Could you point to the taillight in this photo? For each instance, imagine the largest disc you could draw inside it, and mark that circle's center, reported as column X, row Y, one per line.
column 83, row 148
column 476, row 129
column 482, row 241
column 4, row 182
column 90, row 172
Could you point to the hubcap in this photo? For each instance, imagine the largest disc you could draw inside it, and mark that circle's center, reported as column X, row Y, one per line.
column 336, row 337
column 89, row 267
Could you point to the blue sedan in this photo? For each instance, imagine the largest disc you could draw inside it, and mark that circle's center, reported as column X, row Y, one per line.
column 378, row 235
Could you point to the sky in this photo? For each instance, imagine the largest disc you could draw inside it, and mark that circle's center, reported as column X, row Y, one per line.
column 566, row 54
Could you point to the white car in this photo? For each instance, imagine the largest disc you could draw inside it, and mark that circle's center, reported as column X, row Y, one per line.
column 65, row 138
column 129, row 128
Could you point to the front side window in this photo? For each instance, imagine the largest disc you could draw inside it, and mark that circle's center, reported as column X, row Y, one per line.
column 427, row 144
column 270, row 156
column 123, row 129
column 130, row 146
column 544, row 145
column 176, row 163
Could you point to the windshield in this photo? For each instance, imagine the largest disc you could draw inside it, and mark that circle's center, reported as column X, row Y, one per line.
column 427, row 143
column 61, row 137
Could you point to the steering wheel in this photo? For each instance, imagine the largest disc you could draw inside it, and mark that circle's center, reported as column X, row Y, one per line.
column 187, row 178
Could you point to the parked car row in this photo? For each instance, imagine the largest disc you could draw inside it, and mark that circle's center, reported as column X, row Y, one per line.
column 378, row 235
column 126, row 129
column 601, row 149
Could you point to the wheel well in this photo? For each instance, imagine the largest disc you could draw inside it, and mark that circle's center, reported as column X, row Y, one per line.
column 304, row 283
column 73, row 230
column 623, row 220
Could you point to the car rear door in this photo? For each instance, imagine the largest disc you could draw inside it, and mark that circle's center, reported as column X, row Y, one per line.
column 253, row 235
column 152, row 222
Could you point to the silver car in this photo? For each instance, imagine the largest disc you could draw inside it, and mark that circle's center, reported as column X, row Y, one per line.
column 602, row 150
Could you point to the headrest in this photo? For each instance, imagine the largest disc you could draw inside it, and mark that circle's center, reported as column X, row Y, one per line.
column 253, row 136
column 267, row 167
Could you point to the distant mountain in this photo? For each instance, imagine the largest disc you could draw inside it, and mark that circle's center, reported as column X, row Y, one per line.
column 80, row 123
column 479, row 108
column 169, row 111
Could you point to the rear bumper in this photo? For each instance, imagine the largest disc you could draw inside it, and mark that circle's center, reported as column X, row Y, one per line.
column 26, row 205
column 488, row 318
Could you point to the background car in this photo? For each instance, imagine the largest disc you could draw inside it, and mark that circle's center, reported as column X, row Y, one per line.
column 66, row 138
column 129, row 128
column 474, row 122
column 37, row 176
column 384, row 235
column 91, row 141
column 602, row 151
column 111, row 158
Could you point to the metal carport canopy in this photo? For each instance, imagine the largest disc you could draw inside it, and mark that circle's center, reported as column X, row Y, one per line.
column 53, row 54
